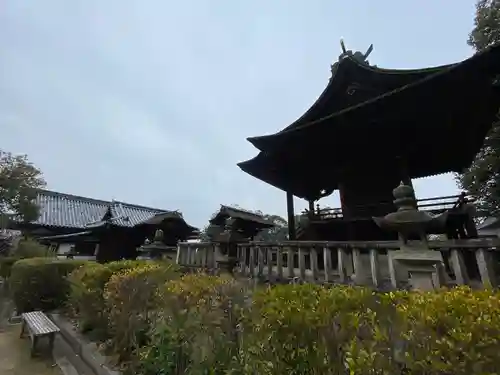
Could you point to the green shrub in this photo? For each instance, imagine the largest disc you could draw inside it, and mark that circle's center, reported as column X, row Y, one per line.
column 133, row 300
column 30, row 248
column 304, row 329
column 207, row 327
column 451, row 332
column 86, row 299
column 41, row 283
column 6, row 264
column 197, row 330
column 309, row 328
column 26, row 248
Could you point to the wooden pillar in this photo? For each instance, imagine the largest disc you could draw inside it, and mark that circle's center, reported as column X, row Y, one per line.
column 291, row 217
column 345, row 210
column 311, row 207
column 403, row 172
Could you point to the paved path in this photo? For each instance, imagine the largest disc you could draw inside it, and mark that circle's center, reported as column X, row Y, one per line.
column 15, row 356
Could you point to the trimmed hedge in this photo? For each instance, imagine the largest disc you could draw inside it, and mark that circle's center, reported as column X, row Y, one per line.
column 132, row 298
column 31, row 248
column 86, row 299
column 40, row 283
column 157, row 322
column 6, row 264
column 311, row 329
column 331, row 330
column 197, row 330
column 25, row 249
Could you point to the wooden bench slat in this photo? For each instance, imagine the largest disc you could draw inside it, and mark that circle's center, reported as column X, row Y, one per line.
column 39, row 323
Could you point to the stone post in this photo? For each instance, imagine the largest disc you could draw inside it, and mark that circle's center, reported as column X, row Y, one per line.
column 413, row 262
column 157, row 249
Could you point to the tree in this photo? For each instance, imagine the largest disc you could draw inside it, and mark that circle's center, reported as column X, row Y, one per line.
column 486, row 30
column 482, row 178
column 277, row 233
column 19, row 180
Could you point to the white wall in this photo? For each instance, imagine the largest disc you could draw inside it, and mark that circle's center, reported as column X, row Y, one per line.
column 64, row 248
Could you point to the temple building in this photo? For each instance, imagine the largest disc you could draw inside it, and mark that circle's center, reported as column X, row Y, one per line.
column 110, row 230
column 373, row 128
column 246, row 224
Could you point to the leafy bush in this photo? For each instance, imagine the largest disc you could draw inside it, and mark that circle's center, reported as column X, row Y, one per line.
column 6, row 264
column 197, row 329
column 30, row 248
column 40, row 283
column 309, row 329
column 303, row 329
column 452, row 332
column 132, row 300
column 26, row 248
column 208, row 327
column 86, row 299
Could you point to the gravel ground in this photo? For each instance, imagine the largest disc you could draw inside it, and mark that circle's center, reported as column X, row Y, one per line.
column 15, row 355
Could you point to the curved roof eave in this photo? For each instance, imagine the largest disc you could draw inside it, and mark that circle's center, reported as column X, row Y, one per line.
column 253, row 168
column 261, row 142
column 333, row 83
column 338, row 77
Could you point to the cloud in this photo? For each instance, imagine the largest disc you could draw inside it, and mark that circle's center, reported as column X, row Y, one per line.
column 151, row 102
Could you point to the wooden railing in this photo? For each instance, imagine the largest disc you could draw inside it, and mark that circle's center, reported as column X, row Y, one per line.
column 203, row 255
column 363, row 263
column 472, row 261
column 434, row 205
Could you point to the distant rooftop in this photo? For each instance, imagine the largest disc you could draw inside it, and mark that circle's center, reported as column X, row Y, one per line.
column 242, row 214
column 76, row 212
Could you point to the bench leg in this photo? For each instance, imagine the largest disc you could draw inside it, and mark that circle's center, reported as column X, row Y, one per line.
column 33, row 345
column 23, row 328
column 52, row 336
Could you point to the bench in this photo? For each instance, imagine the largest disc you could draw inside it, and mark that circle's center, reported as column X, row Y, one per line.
column 38, row 325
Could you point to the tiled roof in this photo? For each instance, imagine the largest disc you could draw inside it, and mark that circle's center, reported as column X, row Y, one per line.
column 71, row 211
column 238, row 213
column 128, row 215
column 68, row 211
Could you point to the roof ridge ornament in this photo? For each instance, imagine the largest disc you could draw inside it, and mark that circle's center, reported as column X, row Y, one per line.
column 360, row 57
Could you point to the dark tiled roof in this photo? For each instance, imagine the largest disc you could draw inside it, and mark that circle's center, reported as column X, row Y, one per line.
column 238, row 213
column 71, row 211
column 128, row 215
column 68, row 211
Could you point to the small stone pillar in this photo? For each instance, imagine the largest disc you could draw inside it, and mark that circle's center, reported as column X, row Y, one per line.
column 227, row 238
column 228, row 250
column 157, row 249
column 413, row 262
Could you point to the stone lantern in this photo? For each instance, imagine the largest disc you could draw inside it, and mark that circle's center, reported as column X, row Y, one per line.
column 414, row 260
column 228, row 239
column 157, row 249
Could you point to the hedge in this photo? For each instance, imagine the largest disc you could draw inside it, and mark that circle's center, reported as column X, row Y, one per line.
column 31, row 248
column 198, row 328
column 133, row 299
column 40, row 283
column 86, row 298
column 6, row 264
column 331, row 330
column 157, row 322
column 26, row 248
column 311, row 329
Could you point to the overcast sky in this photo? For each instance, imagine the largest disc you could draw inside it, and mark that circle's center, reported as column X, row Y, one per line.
column 150, row 101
